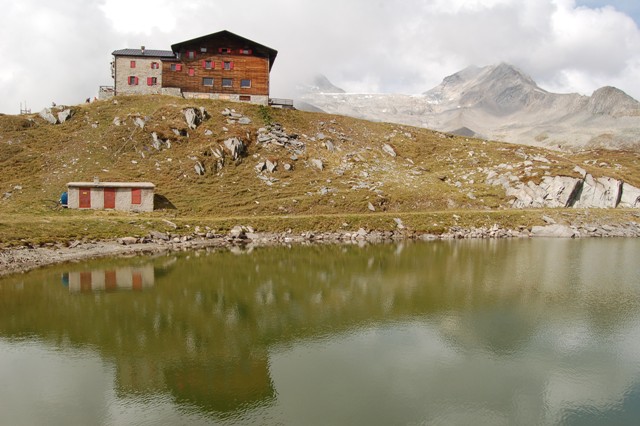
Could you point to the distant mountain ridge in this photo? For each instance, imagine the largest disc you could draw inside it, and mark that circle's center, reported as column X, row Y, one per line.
column 500, row 102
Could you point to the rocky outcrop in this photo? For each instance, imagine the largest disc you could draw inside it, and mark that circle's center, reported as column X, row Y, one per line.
column 235, row 147
column 565, row 191
column 47, row 115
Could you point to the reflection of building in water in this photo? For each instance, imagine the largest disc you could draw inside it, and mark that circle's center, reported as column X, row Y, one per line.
column 123, row 278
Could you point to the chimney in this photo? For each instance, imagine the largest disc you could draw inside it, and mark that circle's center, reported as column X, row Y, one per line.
column 142, row 48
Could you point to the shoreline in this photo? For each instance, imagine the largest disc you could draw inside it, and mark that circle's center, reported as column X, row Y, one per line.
column 26, row 258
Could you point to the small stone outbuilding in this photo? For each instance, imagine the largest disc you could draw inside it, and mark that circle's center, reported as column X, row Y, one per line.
column 126, row 196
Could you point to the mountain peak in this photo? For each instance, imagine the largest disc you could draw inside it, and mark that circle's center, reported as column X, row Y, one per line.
column 612, row 101
column 320, row 84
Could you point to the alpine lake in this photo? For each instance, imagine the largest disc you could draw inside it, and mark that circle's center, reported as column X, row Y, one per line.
column 473, row 332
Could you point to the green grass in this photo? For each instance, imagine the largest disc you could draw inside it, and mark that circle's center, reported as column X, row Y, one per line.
column 419, row 185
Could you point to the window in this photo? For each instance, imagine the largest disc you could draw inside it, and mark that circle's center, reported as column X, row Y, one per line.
column 207, row 81
column 176, row 67
column 152, row 81
column 192, row 72
column 245, row 83
column 228, row 65
column 132, row 64
column 155, row 65
column 191, row 54
column 208, row 65
column 136, row 196
column 224, row 50
column 245, row 98
column 203, row 49
column 245, row 51
column 227, row 82
column 133, row 81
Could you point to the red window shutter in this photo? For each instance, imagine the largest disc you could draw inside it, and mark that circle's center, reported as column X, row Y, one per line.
column 213, row 65
column 219, row 49
column 149, row 81
column 204, row 64
column 230, row 65
column 178, row 67
column 192, row 72
column 250, row 52
column 136, row 81
column 133, row 64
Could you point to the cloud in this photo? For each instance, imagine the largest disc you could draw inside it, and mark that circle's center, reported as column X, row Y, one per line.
column 62, row 52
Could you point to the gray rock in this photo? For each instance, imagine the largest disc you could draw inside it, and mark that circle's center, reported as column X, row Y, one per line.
column 318, row 164
column 548, row 220
column 156, row 235
column 580, row 171
column 116, row 121
column 554, row 231
column 630, row 196
column 561, row 191
column 371, row 207
column 320, row 136
column 156, row 143
column 235, row 147
column 389, row 150
column 194, row 117
column 244, row 120
column 237, row 232
column 138, row 121
column 199, row 167
column 208, row 132
column 288, row 167
column 399, row 223
column 48, row 116
column 603, row 192
column 261, row 166
column 329, row 145
column 271, row 165
column 64, row 115
column 126, row 241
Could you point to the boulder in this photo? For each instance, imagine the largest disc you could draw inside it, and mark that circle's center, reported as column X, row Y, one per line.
column 64, row 115
column 140, row 122
column 554, row 231
column 561, row 191
column 116, row 121
column 389, row 150
column 318, row 164
column 194, row 117
column 630, row 196
column 271, row 165
column 199, row 167
column 602, row 192
column 48, row 116
column 244, row 120
column 126, row 241
column 235, row 147
column 329, row 145
column 371, row 207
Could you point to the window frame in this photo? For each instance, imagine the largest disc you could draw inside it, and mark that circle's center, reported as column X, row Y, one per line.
column 132, row 80
column 227, row 80
column 243, row 86
column 155, row 65
column 204, row 79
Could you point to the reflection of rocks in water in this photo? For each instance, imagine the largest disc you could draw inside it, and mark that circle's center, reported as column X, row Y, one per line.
column 123, row 278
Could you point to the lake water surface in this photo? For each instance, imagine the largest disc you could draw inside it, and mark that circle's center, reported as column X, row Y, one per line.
column 543, row 332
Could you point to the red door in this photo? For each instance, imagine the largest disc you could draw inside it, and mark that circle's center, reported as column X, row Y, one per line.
column 136, row 196
column 85, row 198
column 109, row 198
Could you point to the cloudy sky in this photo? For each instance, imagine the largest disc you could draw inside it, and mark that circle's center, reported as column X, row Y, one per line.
column 60, row 51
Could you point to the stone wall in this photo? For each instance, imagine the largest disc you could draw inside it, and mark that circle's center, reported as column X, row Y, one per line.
column 142, row 71
column 254, row 99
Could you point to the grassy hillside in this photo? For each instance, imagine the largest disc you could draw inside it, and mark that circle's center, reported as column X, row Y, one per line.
column 431, row 173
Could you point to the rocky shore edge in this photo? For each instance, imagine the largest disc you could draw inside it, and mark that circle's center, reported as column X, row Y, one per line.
column 22, row 259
